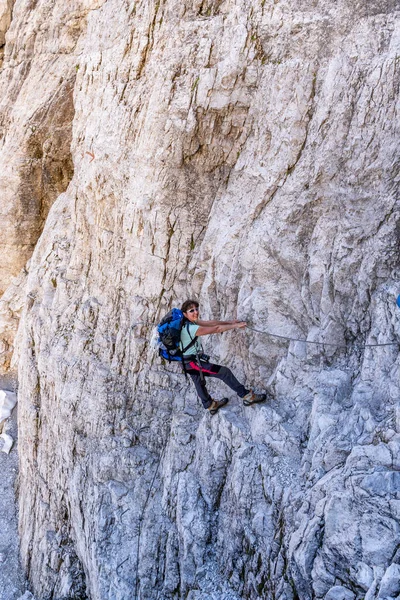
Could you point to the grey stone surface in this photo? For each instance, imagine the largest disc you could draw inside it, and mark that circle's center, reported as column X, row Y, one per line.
column 338, row 592
column 390, row 584
column 37, row 72
column 27, row 596
column 12, row 580
column 245, row 153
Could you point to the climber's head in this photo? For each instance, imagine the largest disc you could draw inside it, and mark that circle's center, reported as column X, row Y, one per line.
column 190, row 309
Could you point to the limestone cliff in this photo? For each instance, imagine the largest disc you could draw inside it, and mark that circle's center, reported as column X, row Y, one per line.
column 244, row 152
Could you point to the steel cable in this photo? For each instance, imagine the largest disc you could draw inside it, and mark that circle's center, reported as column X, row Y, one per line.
column 290, row 339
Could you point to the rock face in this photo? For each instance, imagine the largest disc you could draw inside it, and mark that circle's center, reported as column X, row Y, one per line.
column 12, row 583
column 38, row 58
column 244, row 153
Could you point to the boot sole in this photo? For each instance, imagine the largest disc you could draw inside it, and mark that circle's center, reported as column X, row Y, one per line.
column 246, row 403
column 222, row 403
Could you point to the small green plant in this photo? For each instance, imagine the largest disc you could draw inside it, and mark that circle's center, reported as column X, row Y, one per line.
column 196, row 83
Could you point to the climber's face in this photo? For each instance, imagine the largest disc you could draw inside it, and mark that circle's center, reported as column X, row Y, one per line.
column 192, row 314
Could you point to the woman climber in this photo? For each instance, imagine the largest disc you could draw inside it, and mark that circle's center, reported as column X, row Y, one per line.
column 197, row 364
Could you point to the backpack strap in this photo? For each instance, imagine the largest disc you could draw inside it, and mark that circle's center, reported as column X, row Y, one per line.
column 191, row 343
column 193, row 340
column 202, row 378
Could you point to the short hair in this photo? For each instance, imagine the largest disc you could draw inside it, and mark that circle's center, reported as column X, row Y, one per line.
column 188, row 304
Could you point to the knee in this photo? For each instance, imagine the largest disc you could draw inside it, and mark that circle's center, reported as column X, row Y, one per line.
column 224, row 372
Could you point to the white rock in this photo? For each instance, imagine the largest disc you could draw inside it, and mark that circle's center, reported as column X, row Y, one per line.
column 7, row 402
column 7, row 442
column 365, row 576
column 390, row 584
column 338, row 592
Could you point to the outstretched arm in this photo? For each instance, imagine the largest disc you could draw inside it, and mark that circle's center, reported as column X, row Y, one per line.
column 220, row 328
column 213, row 323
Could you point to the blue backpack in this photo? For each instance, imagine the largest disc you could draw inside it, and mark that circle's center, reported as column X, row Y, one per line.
column 169, row 335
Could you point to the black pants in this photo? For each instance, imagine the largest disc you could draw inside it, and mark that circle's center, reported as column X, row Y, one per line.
column 210, row 370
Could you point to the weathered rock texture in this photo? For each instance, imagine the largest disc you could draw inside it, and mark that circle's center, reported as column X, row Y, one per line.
column 12, row 582
column 36, row 111
column 11, row 306
column 246, row 153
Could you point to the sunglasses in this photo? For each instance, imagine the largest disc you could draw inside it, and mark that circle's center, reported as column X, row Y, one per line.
column 193, row 310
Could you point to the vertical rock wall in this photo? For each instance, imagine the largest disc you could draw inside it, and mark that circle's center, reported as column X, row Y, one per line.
column 246, row 153
column 39, row 59
column 38, row 70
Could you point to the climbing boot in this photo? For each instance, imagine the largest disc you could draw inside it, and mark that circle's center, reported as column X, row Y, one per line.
column 252, row 398
column 216, row 405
